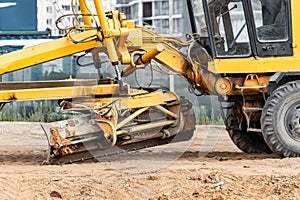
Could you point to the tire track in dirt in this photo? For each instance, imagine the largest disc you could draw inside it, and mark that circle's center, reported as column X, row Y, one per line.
column 15, row 188
column 8, row 188
column 191, row 176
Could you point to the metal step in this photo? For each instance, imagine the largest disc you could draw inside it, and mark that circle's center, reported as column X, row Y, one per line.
column 252, row 109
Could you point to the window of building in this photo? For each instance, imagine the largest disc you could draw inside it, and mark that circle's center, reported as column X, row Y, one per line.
column 162, row 26
column 49, row 9
column 49, row 21
column 161, row 8
column 165, row 26
column 157, row 9
column 178, row 6
column 147, row 9
column 165, row 8
column 134, row 11
column 126, row 11
column 157, row 25
column 61, row 32
column 123, row 1
column 177, row 26
column 148, row 23
column 66, row 7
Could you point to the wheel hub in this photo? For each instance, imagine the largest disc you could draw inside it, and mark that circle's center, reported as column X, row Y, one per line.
column 292, row 122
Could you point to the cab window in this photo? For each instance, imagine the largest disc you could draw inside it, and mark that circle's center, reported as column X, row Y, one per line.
column 270, row 18
column 229, row 28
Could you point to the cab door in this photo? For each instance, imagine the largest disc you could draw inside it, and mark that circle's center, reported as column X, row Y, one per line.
column 249, row 28
column 228, row 30
column 271, row 26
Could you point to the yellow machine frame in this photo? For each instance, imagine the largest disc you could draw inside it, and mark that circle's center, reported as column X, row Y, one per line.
column 135, row 47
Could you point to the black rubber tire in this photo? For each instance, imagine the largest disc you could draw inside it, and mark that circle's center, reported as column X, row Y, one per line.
column 189, row 121
column 277, row 127
column 248, row 142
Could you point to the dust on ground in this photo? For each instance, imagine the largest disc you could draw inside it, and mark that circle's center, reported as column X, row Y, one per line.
column 207, row 167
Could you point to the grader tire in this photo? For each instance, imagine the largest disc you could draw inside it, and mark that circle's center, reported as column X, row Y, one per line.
column 248, row 142
column 189, row 121
column 281, row 120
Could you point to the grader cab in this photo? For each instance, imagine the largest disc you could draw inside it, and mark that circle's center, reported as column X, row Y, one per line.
column 253, row 44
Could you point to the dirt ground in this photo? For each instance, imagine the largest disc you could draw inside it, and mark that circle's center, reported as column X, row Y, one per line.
column 207, row 167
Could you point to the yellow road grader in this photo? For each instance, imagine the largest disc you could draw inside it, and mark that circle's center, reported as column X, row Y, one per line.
column 245, row 52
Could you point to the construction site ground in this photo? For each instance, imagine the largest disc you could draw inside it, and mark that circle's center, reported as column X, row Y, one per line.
column 207, row 167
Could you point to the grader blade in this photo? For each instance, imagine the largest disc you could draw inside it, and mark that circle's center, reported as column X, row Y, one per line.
column 86, row 138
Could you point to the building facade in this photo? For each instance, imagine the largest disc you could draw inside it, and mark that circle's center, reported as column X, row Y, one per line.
column 163, row 16
column 48, row 11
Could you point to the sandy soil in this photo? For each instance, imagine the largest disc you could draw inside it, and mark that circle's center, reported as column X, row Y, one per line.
column 207, row 167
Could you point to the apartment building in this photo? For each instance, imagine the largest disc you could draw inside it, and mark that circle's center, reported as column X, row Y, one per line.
column 48, row 11
column 164, row 16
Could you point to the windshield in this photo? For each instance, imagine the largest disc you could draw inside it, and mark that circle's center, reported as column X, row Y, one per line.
column 227, row 27
column 270, row 19
column 199, row 17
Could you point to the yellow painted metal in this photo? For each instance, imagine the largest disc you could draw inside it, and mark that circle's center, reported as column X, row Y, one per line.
column 142, row 100
column 131, row 117
column 134, row 101
column 84, row 10
column 145, row 58
column 122, row 47
column 146, row 127
column 170, row 56
column 171, row 59
column 109, row 42
column 164, row 110
column 57, row 92
column 151, row 54
column 45, row 52
column 256, row 65
column 265, row 65
column 296, row 28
